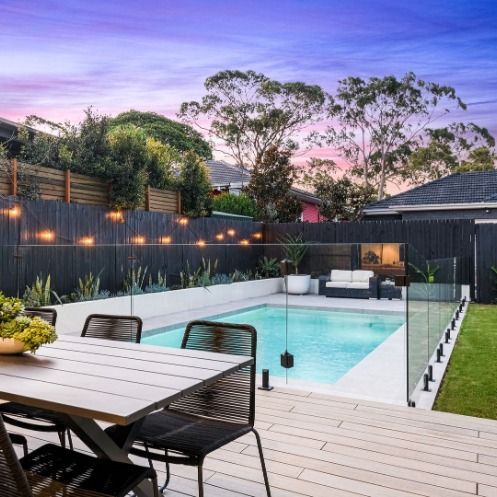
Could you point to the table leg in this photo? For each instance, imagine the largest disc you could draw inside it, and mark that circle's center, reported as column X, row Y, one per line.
column 89, row 431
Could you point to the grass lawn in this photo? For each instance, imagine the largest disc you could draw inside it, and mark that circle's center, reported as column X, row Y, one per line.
column 470, row 383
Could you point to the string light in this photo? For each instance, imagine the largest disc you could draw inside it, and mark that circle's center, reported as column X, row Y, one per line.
column 183, row 221
column 116, row 216
column 87, row 241
column 231, row 232
column 220, row 237
column 138, row 240
column 165, row 240
column 244, row 242
column 200, row 243
column 258, row 235
column 12, row 212
column 46, row 236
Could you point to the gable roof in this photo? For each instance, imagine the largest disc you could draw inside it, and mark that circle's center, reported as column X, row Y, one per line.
column 460, row 189
column 223, row 174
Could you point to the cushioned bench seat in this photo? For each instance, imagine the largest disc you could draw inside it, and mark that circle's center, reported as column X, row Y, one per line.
column 352, row 284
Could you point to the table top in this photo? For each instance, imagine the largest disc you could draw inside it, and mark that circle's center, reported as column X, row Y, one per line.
column 111, row 381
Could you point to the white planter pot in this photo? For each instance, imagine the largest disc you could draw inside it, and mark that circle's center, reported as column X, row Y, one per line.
column 11, row 346
column 298, row 284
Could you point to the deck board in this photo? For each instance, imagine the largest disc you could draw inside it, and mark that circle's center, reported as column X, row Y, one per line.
column 322, row 446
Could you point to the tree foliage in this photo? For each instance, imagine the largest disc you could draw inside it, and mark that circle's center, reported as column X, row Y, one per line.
column 180, row 136
column 456, row 148
column 379, row 122
column 270, row 183
column 195, row 186
column 241, row 204
column 250, row 113
column 342, row 198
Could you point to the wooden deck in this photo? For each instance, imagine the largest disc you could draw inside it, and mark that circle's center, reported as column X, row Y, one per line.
column 322, row 446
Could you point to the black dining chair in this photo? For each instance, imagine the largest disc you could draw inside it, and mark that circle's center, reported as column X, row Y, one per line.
column 52, row 471
column 46, row 313
column 110, row 327
column 199, row 423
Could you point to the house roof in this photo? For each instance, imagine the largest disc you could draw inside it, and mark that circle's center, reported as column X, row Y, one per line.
column 463, row 190
column 223, row 174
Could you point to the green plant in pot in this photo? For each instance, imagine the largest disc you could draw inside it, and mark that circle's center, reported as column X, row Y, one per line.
column 19, row 333
column 295, row 250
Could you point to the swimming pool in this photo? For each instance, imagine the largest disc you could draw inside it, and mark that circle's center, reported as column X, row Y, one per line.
column 326, row 344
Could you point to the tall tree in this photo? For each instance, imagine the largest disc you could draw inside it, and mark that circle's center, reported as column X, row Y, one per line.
column 195, row 186
column 249, row 113
column 176, row 134
column 378, row 122
column 455, row 148
column 270, row 183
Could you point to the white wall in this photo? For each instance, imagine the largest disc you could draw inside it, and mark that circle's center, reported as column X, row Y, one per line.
column 71, row 317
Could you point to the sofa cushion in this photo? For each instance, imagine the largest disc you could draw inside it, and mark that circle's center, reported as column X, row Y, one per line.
column 358, row 285
column 338, row 284
column 341, row 275
column 361, row 276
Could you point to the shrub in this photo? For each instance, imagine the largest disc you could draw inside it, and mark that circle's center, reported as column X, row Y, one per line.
column 195, row 186
column 242, row 204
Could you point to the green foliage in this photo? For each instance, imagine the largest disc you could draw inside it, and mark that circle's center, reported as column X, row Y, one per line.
column 202, row 276
column 220, row 279
column 381, row 120
column 177, row 135
column 134, row 281
column 428, row 275
column 457, row 148
column 241, row 204
column 89, row 289
column 195, row 186
column 10, row 307
column 268, row 267
column 238, row 276
column 270, row 184
column 128, row 148
column 33, row 332
column 341, row 199
column 40, row 293
column 295, row 249
column 250, row 112
column 162, row 164
column 159, row 285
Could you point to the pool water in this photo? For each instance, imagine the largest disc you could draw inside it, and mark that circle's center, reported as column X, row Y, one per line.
column 325, row 344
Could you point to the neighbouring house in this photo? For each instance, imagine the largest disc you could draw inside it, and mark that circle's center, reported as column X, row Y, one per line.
column 470, row 195
column 230, row 178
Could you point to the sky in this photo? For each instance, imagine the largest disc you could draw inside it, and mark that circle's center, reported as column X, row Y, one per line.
column 59, row 57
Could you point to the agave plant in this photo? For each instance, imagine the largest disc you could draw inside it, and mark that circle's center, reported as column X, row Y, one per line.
column 268, row 267
column 134, row 282
column 160, row 285
column 89, row 288
column 40, row 293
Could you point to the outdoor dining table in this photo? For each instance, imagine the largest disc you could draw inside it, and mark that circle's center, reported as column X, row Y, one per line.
column 88, row 380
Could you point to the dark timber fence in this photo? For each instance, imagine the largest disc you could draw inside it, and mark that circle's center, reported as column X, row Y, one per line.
column 67, row 241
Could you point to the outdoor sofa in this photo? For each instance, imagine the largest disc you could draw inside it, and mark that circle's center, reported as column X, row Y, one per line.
column 358, row 284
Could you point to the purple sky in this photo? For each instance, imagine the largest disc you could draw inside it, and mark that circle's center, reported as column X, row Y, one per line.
column 58, row 57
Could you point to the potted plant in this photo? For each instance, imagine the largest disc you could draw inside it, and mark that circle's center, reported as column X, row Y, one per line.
column 20, row 333
column 295, row 250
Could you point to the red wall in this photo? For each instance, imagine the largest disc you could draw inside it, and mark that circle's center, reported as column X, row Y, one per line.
column 310, row 213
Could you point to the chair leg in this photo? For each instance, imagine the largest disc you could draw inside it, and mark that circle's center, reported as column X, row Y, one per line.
column 168, row 475
column 155, row 484
column 263, row 464
column 69, row 438
column 200, row 478
column 62, row 438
